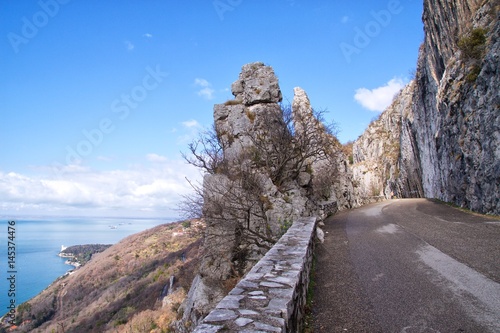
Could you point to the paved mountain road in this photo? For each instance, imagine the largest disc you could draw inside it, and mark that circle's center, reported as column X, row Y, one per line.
column 408, row 266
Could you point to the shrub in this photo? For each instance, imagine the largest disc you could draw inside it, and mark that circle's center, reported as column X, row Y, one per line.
column 472, row 44
column 473, row 73
column 285, row 225
column 347, row 149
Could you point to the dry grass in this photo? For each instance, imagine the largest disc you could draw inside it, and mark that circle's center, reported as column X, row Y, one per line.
column 233, row 102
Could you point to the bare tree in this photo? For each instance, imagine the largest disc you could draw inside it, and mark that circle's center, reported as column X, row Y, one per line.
column 233, row 197
column 288, row 148
column 206, row 152
column 191, row 205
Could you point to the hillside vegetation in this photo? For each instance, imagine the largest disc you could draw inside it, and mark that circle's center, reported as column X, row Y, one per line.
column 123, row 289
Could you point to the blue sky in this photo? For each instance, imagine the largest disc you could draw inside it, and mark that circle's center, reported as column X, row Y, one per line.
column 98, row 98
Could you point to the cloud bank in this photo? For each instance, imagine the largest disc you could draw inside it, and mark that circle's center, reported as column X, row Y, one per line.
column 380, row 98
column 152, row 189
column 206, row 90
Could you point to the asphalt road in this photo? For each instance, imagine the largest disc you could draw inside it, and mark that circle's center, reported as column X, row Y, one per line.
column 408, row 266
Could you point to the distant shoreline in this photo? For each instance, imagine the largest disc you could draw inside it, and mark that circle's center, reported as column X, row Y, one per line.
column 40, row 261
column 79, row 255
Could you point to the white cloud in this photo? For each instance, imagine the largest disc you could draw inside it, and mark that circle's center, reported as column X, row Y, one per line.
column 380, row 98
column 344, row 19
column 207, row 91
column 201, row 82
column 190, row 130
column 71, row 190
column 147, row 35
column 156, row 158
column 129, row 45
column 191, row 124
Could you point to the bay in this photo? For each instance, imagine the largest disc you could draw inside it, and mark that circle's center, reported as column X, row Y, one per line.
column 38, row 243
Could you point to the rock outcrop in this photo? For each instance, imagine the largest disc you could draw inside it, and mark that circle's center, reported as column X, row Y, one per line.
column 331, row 176
column 277, row 164
column 447, row 121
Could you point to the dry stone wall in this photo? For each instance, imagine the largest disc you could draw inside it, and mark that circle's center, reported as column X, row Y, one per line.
column 272, row 296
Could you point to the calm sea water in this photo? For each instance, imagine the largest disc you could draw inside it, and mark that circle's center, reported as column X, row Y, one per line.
column 39, row 241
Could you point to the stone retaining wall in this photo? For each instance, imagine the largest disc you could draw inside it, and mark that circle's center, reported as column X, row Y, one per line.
column 272, row 296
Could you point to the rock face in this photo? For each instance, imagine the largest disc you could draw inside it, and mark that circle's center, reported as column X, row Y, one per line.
column 332, row 178
column 257, row 84
column 447, row 121
column 386, row 163
column 456, row 119
column 277, row 165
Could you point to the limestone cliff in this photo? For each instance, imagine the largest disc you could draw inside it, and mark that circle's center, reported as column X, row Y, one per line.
column 441, row 136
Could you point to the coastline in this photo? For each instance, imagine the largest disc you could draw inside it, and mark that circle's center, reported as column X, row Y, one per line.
column 79, row 255
column 72, row 261
column 39, row 261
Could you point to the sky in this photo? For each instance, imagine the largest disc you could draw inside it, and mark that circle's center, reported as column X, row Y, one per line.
column 99, row 98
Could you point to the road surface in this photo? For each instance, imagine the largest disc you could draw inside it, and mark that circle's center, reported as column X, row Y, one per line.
column 408, row 266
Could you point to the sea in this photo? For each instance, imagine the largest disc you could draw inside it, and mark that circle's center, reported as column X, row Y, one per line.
column 38, row 243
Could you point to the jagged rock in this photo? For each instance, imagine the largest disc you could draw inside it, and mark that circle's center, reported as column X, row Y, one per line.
column 304, row 179
column 258, row 190
column 385, row 164
column 320, row 235
column 197, row 303
column 257, row 84
column 241, row 199
column 303, row 116
column 331, row 177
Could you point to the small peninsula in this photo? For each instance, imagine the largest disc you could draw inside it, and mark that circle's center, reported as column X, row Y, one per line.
column 79, row 255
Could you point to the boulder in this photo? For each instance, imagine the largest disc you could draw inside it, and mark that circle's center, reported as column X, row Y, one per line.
column 257, row 84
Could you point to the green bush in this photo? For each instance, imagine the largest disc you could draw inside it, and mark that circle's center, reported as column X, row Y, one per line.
column 472, row 44
column 473, row 73
column 285, row 225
